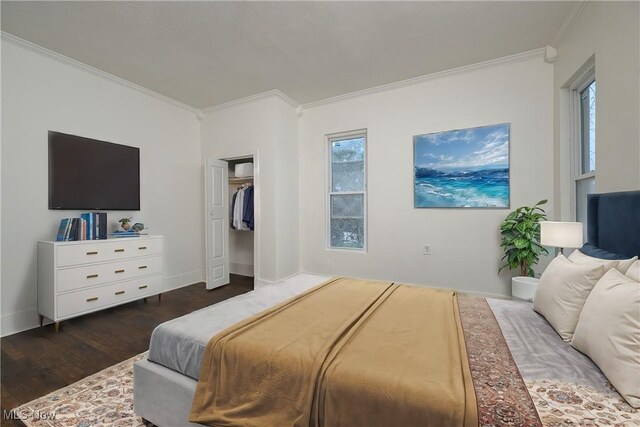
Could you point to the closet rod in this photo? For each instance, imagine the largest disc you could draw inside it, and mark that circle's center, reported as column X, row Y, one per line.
column 234, row 180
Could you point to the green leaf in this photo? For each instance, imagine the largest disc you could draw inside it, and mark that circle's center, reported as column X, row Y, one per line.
column 520, row 235
column 521, row 243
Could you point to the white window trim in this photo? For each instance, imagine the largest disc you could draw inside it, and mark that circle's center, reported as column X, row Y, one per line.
column 576, row 122
column 329, row 139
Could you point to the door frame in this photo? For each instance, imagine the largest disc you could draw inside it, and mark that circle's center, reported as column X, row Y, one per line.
column 256, row 210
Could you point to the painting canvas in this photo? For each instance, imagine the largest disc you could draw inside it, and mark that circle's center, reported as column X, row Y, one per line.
column 464, row 168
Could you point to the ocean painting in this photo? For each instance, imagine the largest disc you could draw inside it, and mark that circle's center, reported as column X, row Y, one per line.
column 465, row 168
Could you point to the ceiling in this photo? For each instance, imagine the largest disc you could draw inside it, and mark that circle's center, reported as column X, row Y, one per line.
column 204, row 53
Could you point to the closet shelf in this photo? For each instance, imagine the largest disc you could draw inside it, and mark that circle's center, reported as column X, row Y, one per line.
column 240, row 180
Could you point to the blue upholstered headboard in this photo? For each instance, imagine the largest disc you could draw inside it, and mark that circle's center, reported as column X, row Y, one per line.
column 613, row 222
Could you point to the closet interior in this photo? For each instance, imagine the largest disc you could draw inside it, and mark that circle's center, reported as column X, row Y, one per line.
column 241, row 216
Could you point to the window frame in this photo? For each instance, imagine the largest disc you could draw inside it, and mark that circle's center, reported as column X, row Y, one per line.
column 330, row 138
column 577, row 147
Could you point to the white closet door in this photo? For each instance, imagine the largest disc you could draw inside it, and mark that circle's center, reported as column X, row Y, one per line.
column 217, row 222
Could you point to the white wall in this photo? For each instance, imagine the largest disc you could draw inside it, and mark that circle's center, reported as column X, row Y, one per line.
column 464, row 242
column 608, row 32
column 41, row 93
column 265, row 127
column 287, row 197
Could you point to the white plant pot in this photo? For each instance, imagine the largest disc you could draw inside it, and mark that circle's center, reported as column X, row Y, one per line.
column 524, row 287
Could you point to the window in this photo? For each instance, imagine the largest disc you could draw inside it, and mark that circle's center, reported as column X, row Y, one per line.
column 585, row 137
column 347, row 191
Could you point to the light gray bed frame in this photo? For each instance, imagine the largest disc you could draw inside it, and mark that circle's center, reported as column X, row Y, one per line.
column 161, row 395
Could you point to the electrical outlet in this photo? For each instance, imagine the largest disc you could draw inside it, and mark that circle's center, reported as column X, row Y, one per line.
column 426, row 250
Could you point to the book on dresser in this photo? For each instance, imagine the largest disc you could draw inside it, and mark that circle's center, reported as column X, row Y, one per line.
column 80, row 277
column 62, row 230
column 128, row 233
column 90, row 231
column 89, row 226
column 101, row 224
column 72, row 231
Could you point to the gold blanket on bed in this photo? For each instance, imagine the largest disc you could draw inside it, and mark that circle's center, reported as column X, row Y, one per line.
column 346, row 353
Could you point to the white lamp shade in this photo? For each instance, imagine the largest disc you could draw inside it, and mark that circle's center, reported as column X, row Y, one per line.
column 561, row 234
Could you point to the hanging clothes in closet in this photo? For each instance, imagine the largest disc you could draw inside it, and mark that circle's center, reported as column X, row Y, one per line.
column 242, row 208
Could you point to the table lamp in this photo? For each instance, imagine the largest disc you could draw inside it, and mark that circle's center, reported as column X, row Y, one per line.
column 561, row 234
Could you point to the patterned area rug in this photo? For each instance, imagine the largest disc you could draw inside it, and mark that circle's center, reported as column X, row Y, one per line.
column 103, row 399
column 561, row 404
column 106, row 399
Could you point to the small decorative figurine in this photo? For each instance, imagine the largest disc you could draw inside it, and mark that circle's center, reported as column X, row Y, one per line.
column 137, row 227
column 125, row 223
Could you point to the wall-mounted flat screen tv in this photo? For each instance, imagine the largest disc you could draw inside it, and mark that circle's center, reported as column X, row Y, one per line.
column 87, row 174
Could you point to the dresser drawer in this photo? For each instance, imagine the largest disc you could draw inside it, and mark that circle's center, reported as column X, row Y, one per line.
column 100, row 251
column 147, row 286
column 72, row 278
column 92, row 299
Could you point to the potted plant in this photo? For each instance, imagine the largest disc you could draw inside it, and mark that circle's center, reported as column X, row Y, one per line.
column 520, row 240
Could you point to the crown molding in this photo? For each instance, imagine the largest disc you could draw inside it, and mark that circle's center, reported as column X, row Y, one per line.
column 518, row 57
column 550, row 54
column 568, row 23
column 92, row 70
column 256, row 97
column 523, row 56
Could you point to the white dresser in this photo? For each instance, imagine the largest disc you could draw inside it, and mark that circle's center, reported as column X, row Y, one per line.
column 76, row 278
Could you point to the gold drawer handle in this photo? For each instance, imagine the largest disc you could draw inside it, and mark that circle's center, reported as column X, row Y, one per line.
column 118, row 250
column 142, row 248
column 142, row 267
column 143, row 287
column 92, row 253
column 92, row 276
column 119, row 292
column 119, row 271
column 92, row 299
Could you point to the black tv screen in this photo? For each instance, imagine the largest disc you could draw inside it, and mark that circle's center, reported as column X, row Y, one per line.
column 89, row 174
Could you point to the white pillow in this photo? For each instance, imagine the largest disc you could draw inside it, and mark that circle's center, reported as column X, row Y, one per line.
column 609, row 332
column 580, row 258
column 634, row 271
column 562, row 291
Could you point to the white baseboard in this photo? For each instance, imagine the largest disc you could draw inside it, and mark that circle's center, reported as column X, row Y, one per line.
column 19, row 321
column 181, row 280
column 472, row 293
column 485, row 295
column 258, row 282
column 28, row 319
column 241, row 269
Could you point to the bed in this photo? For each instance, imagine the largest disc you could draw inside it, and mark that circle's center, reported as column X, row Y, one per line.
column 523, row 373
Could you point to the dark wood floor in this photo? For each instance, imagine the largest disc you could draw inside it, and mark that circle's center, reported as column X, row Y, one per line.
column 39, row 361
